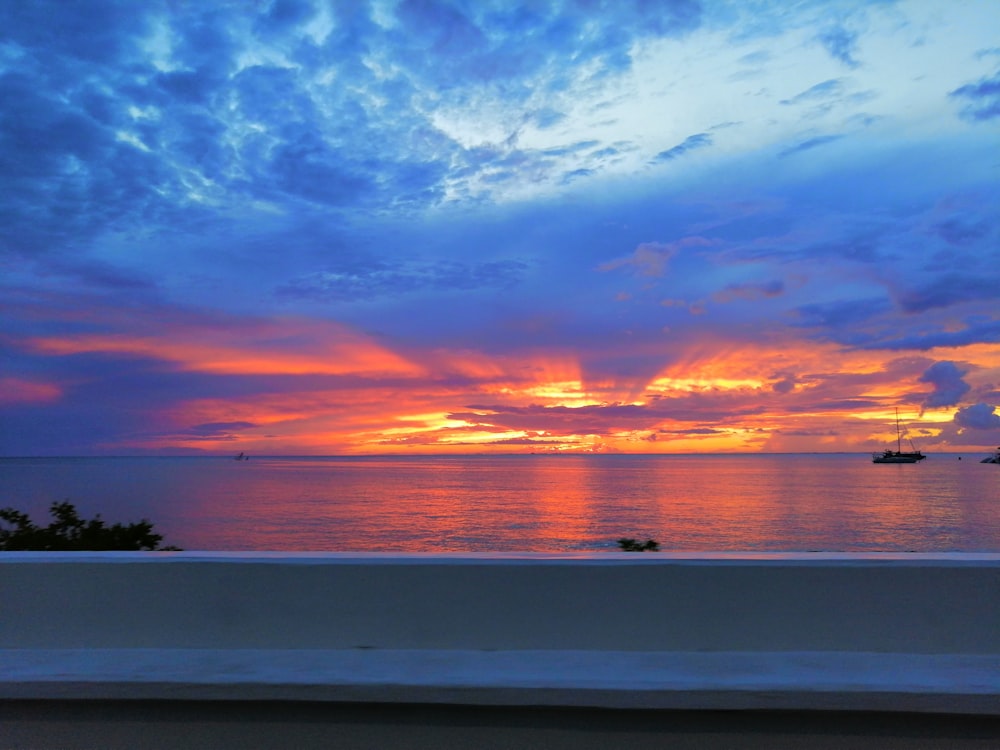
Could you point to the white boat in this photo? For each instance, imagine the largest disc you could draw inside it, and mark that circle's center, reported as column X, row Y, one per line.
column 898, row 456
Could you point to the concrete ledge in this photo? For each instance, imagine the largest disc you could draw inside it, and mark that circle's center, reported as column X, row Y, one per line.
column 611, row 602
column 764, row 631
column 967, row 684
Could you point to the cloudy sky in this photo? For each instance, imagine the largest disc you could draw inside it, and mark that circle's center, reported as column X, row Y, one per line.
column 424, row 226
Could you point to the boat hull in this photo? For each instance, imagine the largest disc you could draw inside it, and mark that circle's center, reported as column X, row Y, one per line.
column 894, row 457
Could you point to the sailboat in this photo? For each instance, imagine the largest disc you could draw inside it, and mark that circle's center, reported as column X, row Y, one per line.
column 898, row 456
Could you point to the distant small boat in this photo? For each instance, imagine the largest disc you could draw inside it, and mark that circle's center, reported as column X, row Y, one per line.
column 994, row 459
column 241, row 456
column 898, row 456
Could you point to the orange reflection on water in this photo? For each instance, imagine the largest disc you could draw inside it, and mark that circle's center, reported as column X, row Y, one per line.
column 572, row 503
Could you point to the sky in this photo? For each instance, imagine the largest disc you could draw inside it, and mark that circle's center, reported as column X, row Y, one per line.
column 331, row 227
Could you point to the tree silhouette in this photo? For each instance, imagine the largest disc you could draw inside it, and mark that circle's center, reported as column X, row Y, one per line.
column 68, row 533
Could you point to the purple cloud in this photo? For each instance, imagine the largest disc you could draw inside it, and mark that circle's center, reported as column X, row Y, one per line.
column 651, row 258
column 947, row 290
column 773, row 288
column 947, row 382
column 978, row 417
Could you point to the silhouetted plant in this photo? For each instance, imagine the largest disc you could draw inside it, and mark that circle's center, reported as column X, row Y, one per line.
column 631, row 545
column 69, row 533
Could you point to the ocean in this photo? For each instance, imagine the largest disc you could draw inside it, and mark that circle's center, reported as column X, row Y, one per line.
column 537, row 503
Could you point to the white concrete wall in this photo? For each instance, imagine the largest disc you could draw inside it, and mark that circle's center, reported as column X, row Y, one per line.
column 846, row 631
column 913, row 604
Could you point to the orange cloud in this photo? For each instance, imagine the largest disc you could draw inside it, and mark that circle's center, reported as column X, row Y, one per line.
column 720, row 397
column 19, row 391
column 712, row 395
column 287, row 346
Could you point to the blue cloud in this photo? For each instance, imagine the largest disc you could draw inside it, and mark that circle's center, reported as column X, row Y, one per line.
column 548, row 118
column 189, row 87
column 85, row 32
column 498, row 43
column 870, row 324
column 65, row 176
column 756, row 58
column 821, row 91
column 218, row 429
column 981, row 99
column 226, row 128
column 692, row 142
column 309, row 168
column 808, row 145
column 961, row 230
column 949, row 290
column 571, row 148
column 604, row 153
column 576, row 174
column 285, row 15
column 841, row 44
column 841, row 315
column 380, row 279
column 890, row 337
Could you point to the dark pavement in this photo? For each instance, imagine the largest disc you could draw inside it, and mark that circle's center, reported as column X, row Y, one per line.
column 75, row 725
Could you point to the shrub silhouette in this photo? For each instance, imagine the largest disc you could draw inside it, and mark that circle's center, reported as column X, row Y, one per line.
column 69, row 533
column 631, row 545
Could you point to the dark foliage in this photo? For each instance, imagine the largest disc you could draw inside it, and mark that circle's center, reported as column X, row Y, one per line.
column 68, row 532
column 631, row 545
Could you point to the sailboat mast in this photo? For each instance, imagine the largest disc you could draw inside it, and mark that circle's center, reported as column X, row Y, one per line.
column 899, row 443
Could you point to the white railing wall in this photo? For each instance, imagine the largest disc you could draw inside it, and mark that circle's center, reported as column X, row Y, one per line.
column 905, row 632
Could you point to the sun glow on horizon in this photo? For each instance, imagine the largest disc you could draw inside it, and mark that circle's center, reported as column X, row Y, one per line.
column 344, row 392
column 547, row 416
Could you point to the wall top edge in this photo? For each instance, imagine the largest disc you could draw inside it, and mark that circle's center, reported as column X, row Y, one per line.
column 988, row 559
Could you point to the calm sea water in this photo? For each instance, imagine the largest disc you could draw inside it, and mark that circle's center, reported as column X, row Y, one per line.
column 824, row 502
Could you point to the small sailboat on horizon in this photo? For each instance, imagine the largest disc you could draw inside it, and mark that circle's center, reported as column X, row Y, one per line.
column 898, row 456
